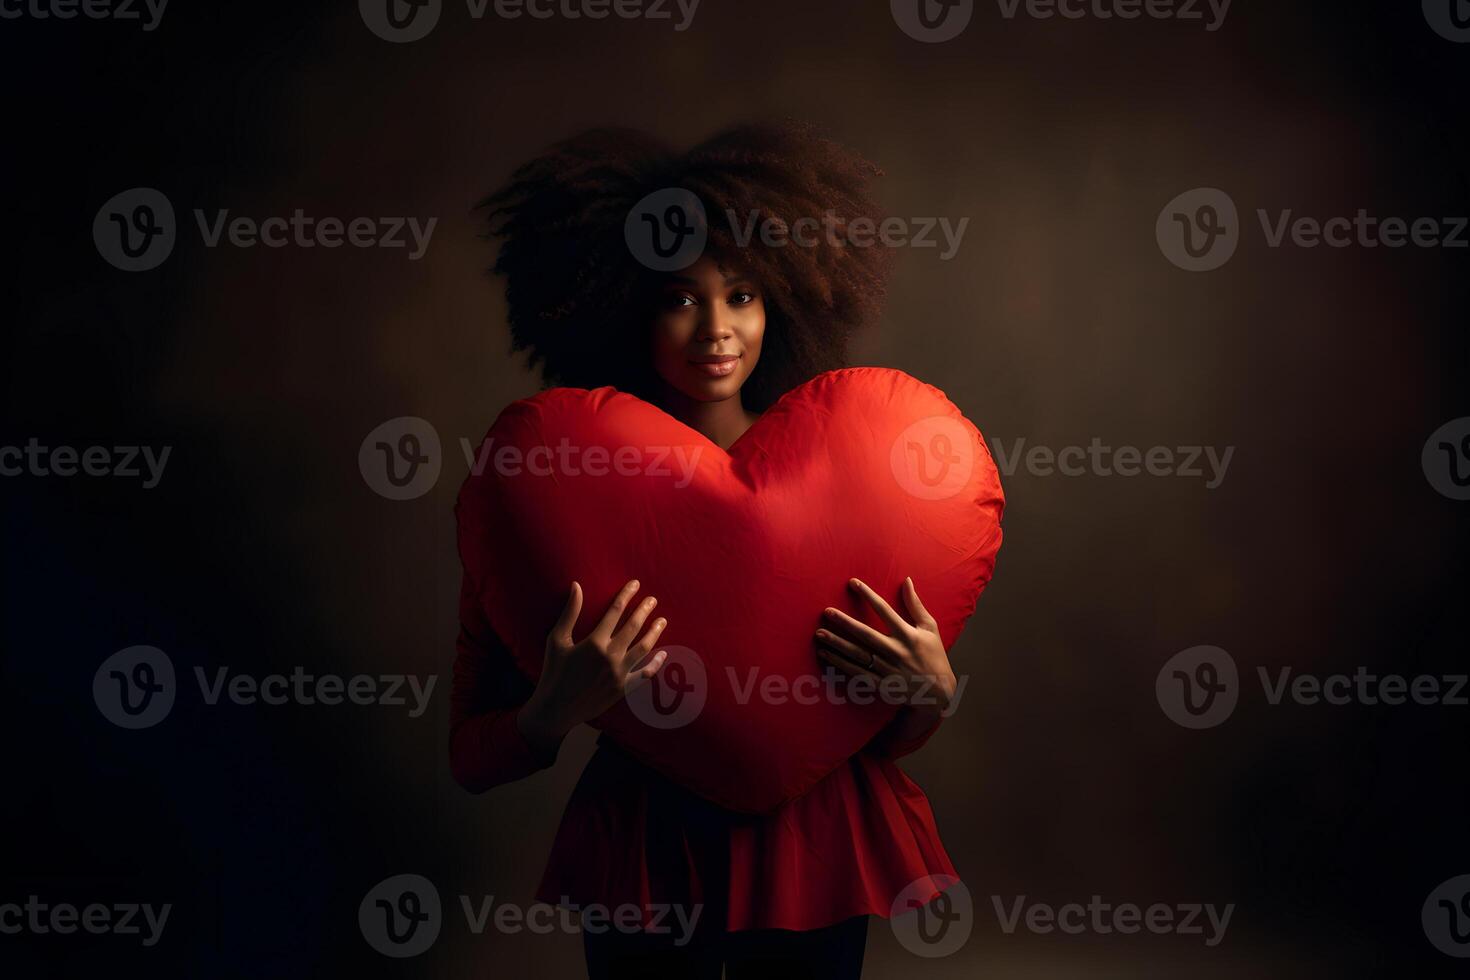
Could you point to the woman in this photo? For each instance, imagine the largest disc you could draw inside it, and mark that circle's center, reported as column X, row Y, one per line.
column 712, row 344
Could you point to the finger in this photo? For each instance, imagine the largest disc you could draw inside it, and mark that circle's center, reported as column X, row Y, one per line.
column 630, row 630
column 838, row 648
column 643, row 665
column 885, row 611
column 838, row 662
column 916, row 607
column 609, row 620
column 562, row 631
column 862, row 634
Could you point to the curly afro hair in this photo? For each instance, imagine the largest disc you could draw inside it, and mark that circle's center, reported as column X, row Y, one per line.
column 580, row 303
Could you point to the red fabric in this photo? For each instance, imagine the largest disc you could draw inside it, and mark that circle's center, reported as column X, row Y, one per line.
column 863, row 472
column 847, row 847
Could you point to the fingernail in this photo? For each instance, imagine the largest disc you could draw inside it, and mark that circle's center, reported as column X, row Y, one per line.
column 822, row 633
column 661, row 623
column 633, row 584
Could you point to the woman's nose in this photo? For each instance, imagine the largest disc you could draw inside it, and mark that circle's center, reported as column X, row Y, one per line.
column 716, row 324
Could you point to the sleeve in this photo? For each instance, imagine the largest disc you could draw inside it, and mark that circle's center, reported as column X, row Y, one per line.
column 486, row 747
column 902, row 736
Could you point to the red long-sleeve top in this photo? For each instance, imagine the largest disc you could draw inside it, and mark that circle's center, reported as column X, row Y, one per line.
column 846, row 847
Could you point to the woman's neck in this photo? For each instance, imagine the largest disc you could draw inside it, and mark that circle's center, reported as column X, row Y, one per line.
column 720, row 422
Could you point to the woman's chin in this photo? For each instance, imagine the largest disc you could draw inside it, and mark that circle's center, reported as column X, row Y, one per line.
column 706, row 389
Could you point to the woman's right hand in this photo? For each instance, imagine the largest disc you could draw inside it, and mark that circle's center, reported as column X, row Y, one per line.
column 581, row 680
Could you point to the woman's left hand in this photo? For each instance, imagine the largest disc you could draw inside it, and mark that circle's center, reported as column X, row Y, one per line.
column 912, row 650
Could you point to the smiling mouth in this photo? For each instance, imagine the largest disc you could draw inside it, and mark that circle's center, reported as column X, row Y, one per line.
column 716, row 365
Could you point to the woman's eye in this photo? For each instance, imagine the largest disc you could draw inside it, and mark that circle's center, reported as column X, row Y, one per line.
column 678, row 301
column 742, row 297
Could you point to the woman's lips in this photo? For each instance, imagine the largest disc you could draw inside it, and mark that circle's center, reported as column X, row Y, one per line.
column 717, row 366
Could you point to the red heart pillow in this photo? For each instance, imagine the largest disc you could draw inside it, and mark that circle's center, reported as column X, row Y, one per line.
column 863, row 472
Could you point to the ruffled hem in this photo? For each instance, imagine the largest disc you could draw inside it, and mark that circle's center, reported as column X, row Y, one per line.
column 850, row 846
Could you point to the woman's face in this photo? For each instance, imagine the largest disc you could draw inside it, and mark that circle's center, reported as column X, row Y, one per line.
column 707, row 331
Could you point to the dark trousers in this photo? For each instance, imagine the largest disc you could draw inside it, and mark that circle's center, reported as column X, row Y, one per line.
column 833, row 953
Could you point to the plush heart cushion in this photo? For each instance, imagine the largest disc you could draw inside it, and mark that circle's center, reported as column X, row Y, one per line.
column 862, row 472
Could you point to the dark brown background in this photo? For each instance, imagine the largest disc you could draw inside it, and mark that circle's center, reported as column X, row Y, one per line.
column 1059, row 320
